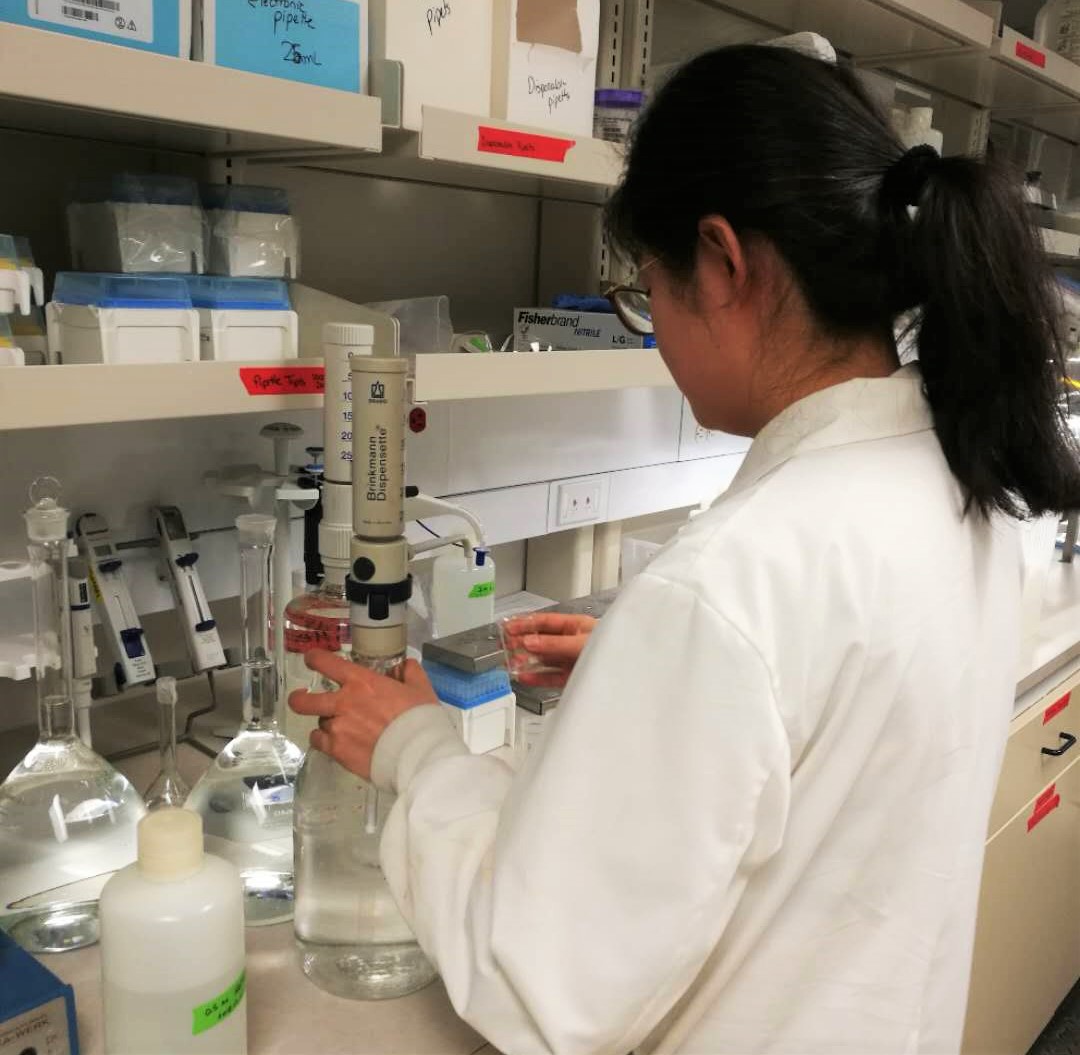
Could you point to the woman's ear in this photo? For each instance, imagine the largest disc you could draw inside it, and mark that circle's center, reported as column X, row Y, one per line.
column 721, row 259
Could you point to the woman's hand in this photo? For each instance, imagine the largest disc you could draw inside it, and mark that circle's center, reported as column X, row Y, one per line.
column 556, row 638
column 352, row 718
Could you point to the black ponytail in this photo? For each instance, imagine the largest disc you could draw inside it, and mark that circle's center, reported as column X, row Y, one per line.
column 793, row 149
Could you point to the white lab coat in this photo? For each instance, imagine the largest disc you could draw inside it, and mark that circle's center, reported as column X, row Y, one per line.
column 757, row 823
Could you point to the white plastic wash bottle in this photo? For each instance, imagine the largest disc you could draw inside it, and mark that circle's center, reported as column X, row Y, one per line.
column 172, row 946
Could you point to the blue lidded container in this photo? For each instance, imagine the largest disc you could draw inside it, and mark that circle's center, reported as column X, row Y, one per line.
column 219, row 293
column 466, row 691
column 121, row 291
column 242, row 198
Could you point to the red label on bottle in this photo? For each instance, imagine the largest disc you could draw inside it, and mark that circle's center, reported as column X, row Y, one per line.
column 1056, row 708
column 1045, row 804
column 523, row 144
column 283, row 380
column 304, row 639
column 1030, row 54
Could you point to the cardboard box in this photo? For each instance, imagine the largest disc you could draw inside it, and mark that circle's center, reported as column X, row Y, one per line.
column 321, row 42
column 544, row 71
column 161, row 26
column 444, row 47
column 578, row 330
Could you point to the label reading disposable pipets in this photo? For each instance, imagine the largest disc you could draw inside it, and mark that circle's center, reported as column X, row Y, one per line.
column 215, row 1011
column 126, row 19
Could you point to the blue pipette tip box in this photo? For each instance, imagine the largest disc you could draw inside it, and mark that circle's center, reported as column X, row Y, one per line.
column 27, row 989
column 466, row 691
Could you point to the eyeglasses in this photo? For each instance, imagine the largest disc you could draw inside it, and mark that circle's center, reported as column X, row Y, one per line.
column 634, row 309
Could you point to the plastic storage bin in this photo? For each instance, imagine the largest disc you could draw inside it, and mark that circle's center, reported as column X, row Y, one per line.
column 162, row 26
column 122, row 319
column 444, row 49
column 323, row 42
column 137, row 224
column 252, row 232
column 244, row 319
column 544, row 66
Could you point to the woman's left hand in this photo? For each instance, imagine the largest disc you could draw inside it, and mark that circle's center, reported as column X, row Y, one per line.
column 352, row 718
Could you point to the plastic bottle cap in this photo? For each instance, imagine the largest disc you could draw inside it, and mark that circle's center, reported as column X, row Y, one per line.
column 170, row 843
column 255, row 529
column 348, row 333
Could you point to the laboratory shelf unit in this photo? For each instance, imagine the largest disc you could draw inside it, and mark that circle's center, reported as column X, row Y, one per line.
column 506, row 147
column 1036, row 84
column 1062, row 245
column 51, row 82
column 45, row 396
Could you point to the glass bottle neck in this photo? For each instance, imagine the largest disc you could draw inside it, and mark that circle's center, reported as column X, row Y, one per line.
column 167, row 737
column 56, row 718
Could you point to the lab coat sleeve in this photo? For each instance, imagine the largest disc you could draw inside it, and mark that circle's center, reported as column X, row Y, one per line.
column 569, row 909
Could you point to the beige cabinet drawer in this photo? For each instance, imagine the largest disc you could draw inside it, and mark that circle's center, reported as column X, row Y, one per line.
column 1027, row 942
column 1050, row 724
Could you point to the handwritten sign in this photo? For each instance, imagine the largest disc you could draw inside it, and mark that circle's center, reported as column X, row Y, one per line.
column 523, row 144
column 315, row 41
column 283, row 380
column 1030, row 54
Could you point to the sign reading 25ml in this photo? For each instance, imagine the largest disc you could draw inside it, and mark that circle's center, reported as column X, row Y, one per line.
column 315, row 41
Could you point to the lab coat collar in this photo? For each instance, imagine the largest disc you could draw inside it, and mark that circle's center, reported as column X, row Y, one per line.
column 853, row 412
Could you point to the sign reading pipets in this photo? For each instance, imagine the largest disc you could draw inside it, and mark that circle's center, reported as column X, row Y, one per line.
column 319, row 42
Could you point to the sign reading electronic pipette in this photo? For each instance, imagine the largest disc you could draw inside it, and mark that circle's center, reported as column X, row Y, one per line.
column 283, row 380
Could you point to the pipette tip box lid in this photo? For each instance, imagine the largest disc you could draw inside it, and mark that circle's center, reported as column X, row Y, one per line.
column 103, row 290
column 221, row 293
column 466, row 691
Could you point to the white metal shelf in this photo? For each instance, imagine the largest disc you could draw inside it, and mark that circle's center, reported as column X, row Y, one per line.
column 47, row 396
column 451, row 376
column 50, row 82
column 1036, row 85
column 50, row 396
column 1062, row 245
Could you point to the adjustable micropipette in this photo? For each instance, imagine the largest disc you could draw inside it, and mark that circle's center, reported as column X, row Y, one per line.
column 200, row 630
column 134, row 664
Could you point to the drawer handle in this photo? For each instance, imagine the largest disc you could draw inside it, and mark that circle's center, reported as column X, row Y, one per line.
column 1067, row 741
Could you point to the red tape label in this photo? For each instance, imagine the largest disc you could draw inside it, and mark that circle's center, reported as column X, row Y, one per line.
column 283, row 380
column 1030, row 54
column 1056, row 708
column 1045, row 804
column 523, row 144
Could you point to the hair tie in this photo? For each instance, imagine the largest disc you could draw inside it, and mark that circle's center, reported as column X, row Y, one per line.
column 906, row 177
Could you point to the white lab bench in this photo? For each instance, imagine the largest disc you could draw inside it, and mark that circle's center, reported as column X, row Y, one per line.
column 1027, row 950
column 287, row 1015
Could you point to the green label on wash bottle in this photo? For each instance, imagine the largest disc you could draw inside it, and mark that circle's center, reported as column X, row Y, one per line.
column 482, row 589
column 215, row 1011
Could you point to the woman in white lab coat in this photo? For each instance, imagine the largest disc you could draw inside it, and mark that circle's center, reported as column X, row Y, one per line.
column 757, row 824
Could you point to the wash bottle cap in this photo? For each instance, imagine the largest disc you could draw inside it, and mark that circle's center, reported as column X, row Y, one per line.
column 170, row 843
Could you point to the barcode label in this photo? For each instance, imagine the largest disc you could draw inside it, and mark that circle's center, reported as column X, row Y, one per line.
column 130, row 20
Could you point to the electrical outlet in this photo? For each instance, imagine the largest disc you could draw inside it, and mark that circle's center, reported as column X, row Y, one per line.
column 581, row 501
